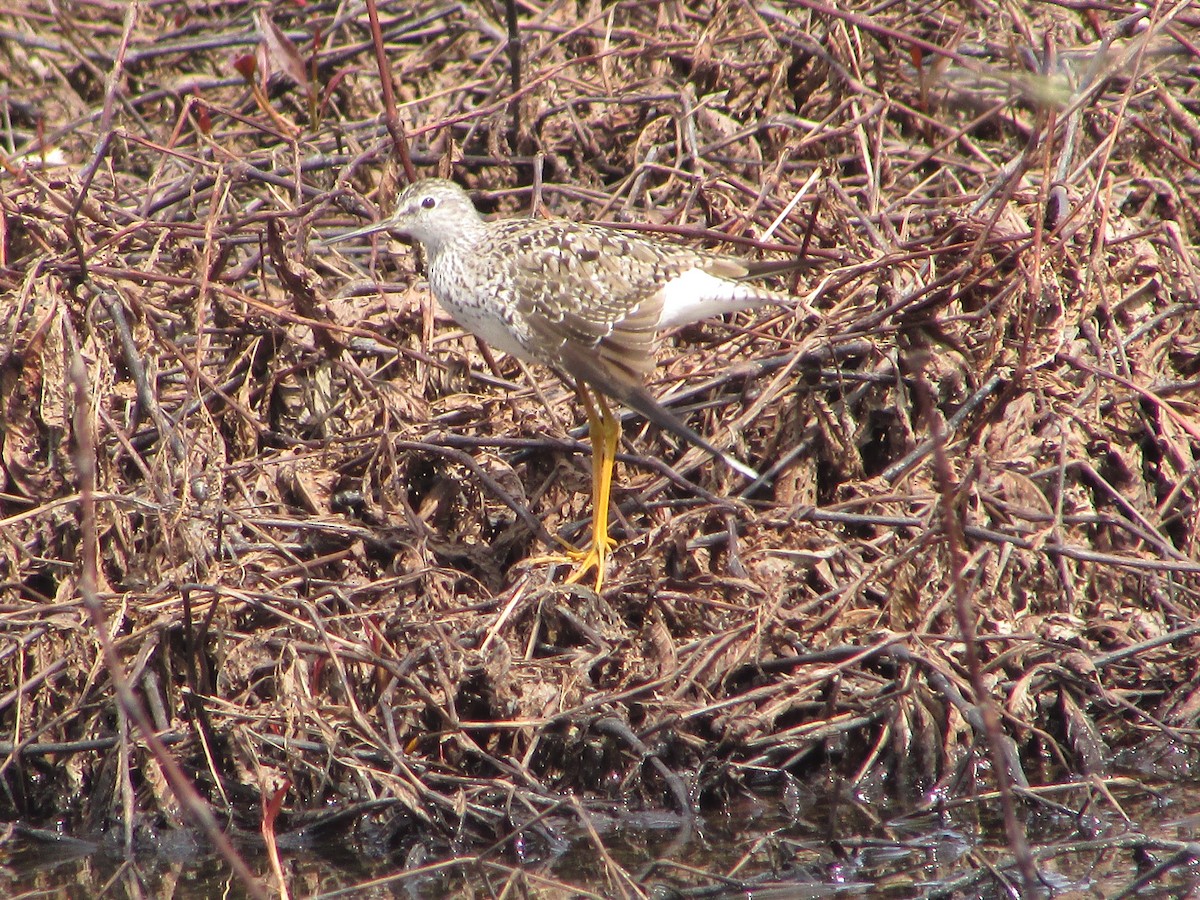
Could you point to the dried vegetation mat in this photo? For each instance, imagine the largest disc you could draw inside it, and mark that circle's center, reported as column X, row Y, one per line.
column 263, row 500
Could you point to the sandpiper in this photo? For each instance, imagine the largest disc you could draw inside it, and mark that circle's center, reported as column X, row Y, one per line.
column 585, row 300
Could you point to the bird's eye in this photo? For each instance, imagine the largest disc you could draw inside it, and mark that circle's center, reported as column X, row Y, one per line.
column 428, row 202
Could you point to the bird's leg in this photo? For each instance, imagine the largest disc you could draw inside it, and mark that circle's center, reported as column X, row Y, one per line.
column 605, row 430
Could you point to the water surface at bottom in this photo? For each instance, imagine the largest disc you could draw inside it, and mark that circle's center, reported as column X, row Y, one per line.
column 1100, row 839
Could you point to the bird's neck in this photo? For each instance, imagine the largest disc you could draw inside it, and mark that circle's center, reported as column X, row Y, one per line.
column 464, row 239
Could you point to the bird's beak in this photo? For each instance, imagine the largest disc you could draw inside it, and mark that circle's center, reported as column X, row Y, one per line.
column 381, row 225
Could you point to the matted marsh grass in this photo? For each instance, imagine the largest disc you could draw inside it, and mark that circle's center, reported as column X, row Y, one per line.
column 276, row 516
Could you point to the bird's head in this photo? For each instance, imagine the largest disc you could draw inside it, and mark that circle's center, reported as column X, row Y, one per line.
column 433, row 211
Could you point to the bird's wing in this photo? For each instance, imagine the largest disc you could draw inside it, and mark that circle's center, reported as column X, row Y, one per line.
column 592, row 300
column 594, row 291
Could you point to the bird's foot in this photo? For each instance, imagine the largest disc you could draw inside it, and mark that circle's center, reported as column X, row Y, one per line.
column 593, row 557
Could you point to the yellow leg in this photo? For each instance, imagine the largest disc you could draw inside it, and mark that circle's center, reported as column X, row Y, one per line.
column 606, row 434
column 605, row 431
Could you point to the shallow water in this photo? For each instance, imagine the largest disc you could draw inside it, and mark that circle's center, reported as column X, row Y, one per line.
column 1090, row 840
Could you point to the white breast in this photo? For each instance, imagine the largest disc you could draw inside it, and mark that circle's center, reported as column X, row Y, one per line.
column 477, row 308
